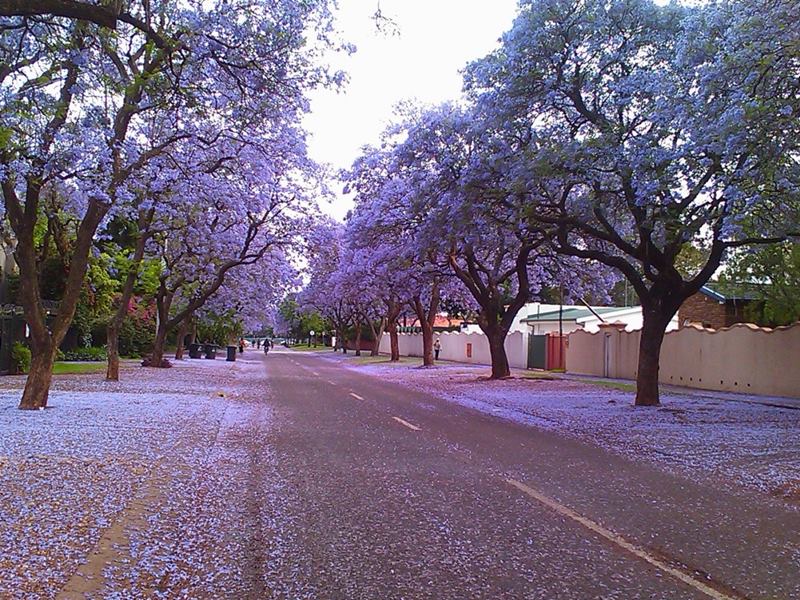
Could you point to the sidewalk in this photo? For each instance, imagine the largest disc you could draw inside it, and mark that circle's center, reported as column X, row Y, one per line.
column 147, row 487
column 674, row 390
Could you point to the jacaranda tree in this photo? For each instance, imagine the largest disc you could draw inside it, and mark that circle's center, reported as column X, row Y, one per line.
column 652, row 128
column 78, row 103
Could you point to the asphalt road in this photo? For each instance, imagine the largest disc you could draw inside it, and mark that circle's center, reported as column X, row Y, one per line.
column 390, row 493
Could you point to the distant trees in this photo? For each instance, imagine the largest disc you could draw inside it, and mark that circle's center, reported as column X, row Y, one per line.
column 770, row 275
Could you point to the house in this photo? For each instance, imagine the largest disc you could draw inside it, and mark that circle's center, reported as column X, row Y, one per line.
column 717, row 305
column 576, row 318
column 442, row 322
column 519, row 324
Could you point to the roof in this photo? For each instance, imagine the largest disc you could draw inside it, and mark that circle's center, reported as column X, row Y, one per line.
column 569, row 314
column 724, row 291
column 440, row 321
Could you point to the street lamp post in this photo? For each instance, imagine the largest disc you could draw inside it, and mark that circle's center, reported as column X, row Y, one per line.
column 310, row 336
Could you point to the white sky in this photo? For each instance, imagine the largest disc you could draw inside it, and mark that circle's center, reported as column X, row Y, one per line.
column 437, row 38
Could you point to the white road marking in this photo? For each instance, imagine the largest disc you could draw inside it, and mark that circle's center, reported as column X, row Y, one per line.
column 315, row 373
column 620, row 541
column 356, row 396
column 407, row 424
column 331, row 382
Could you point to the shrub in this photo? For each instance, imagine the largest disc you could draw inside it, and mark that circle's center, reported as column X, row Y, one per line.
column 135, row 337
column 20, row 357
column 92, row 354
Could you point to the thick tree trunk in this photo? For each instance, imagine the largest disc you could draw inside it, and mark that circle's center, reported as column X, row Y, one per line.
column 427, row 318
column 46, row 340
column 427, row 344
column 497, row 351
column 358, row 338
column 182, row 332
column 653, row 330
column 394, row 339
column 377, row 335
column 157, row 356
column 112, row 344
column 164, row 324
column 394, row 343
column 37, row 386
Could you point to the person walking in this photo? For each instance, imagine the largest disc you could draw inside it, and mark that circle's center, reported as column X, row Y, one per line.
column 241, row 345
column 437, row 346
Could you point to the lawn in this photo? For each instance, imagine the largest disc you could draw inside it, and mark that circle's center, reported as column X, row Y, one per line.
column 307, row 348
column 539, row 375
column 76, row 368
column 366, row 359
column 611, row 385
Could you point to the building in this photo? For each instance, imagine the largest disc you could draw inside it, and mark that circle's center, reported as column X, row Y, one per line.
column 519, row 324
column 587, row 319
column 716, row 306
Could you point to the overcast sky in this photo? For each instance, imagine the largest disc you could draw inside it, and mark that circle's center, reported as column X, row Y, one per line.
column 436, row 39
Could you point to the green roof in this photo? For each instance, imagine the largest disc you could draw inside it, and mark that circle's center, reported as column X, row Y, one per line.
column 569, row 314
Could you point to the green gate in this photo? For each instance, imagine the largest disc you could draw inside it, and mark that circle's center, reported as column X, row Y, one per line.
column 537, row 351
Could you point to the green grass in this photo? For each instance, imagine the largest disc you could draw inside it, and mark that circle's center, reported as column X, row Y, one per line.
column 76, row 368
column 305, row 348
column 545, row 376
column 366, row 359
column 611, row 385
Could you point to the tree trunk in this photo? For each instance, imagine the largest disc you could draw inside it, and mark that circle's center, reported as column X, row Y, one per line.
column 182, row 332
column 164, row 324
column 497, row 351
column 427, row 344
column 46, row 340
column 157, row 356
column 37, row 386
column 112, row 343
column 377, row 335
column 358, row 338
column 427, row 318
column 391, row 320
column 115, row 325
column 394, row 339
column 653, row 330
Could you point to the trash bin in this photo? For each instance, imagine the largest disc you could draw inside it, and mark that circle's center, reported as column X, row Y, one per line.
column 231, row 354
column 210, row 351
column 195, row 351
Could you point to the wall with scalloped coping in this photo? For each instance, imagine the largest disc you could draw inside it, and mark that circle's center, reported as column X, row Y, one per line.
column 470, row 348
column 740, row 358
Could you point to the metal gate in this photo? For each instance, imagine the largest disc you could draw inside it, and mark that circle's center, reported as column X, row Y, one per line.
column 537, row 351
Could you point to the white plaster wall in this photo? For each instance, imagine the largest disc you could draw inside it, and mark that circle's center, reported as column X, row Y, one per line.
column 454, row 347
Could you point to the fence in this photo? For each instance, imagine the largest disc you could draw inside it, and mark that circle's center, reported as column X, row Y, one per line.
column 464, row 347
column 741, row 358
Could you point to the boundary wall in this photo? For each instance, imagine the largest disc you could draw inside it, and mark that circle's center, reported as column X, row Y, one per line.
column 741, row 358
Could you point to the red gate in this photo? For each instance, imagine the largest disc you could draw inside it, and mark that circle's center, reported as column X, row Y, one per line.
column 556, row 352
